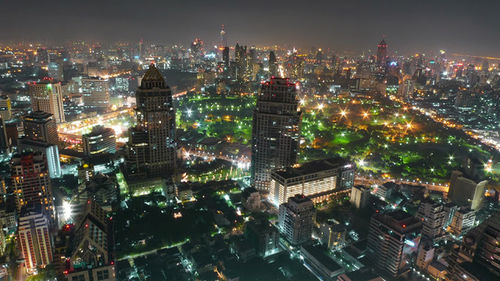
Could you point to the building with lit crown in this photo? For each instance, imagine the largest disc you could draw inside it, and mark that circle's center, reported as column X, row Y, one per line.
column 275, row 130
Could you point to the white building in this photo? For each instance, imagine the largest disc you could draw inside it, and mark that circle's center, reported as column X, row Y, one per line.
column 35, row 240
column 317, row 180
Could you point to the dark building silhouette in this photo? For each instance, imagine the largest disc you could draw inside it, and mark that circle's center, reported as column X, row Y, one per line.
column 381, row 52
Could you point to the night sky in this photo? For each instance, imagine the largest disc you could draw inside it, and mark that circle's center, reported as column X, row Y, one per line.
column 470, row 27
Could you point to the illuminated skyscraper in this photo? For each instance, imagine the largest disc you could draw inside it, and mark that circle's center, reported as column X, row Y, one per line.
column 5, row 108
column 392, row 239
column 381, row 52
column 152, row 146
column 95, row 93
column 35, row 239
column 47, row 96
column 31, row 181
column 40, row 134
column 275, row 131
column 40, row 126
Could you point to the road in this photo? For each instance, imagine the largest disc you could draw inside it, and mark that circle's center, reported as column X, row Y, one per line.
column 429, row 186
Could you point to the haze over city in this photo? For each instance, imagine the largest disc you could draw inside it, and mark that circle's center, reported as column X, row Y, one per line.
column 249, row 140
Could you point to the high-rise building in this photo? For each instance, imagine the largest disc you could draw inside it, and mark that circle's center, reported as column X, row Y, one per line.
column 35, row 238
column 262, row 236
column 273, row 67
column 99, row 140
column 31, row 181
column 90, row 256
column 40, row 126
column 360, row 196
column 5, row 108
column 466, row 192
column 4, row 139
column 381, row 52
column 433, row 217
column 47, row 96
column 317, row 180
column 225, row 56
column 462, row 221
column 152, row 146
column 425, row 254
column 296, row 219
column 392, row 240
column 95, row 92
column 51, row 152
column 275, row 131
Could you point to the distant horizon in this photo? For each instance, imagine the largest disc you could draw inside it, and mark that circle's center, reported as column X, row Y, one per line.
column 409, row 27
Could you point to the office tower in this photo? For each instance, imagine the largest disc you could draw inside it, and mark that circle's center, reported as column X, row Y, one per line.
column 40, row 126
column 91, row 255
column 477, row 258
column 333, row 235
column 55, row 70
column 433, row 218
column 40, row 135
column 31, row 181
column 262, row 236
column 392, row 239
column 466, row 192
column 425, row 253
column 99, row 140
column 296, row 219
column 273, row 67
column 5, row 108
column 225, row 56
column 317, row 180
column 152, row 146
column 275, row 130
column 35, row 238
column 381, row 52
column 95, row 93
column 462, row 221
column 360, row 196
column 51, row 152
column 47, row 96
column 4, row 140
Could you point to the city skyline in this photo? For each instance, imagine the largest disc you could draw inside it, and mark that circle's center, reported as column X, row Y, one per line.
column 344, row 27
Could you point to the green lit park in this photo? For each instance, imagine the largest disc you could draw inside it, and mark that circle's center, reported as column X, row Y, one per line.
column 383, row 137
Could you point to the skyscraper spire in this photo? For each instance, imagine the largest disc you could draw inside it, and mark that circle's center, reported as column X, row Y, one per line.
column 223, row 39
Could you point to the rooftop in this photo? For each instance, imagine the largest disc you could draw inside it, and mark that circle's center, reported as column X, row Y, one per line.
column 314, row 167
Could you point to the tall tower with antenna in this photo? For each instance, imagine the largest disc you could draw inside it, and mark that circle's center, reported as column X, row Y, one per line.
column 223, row 39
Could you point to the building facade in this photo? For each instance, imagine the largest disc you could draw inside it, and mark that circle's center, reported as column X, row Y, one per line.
column 35, row 239
column 316, row 179
column 47, row 96
column 392, row 239
column 40, row 126
column 99, row 140
column 31, row 181
column 296, row 219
